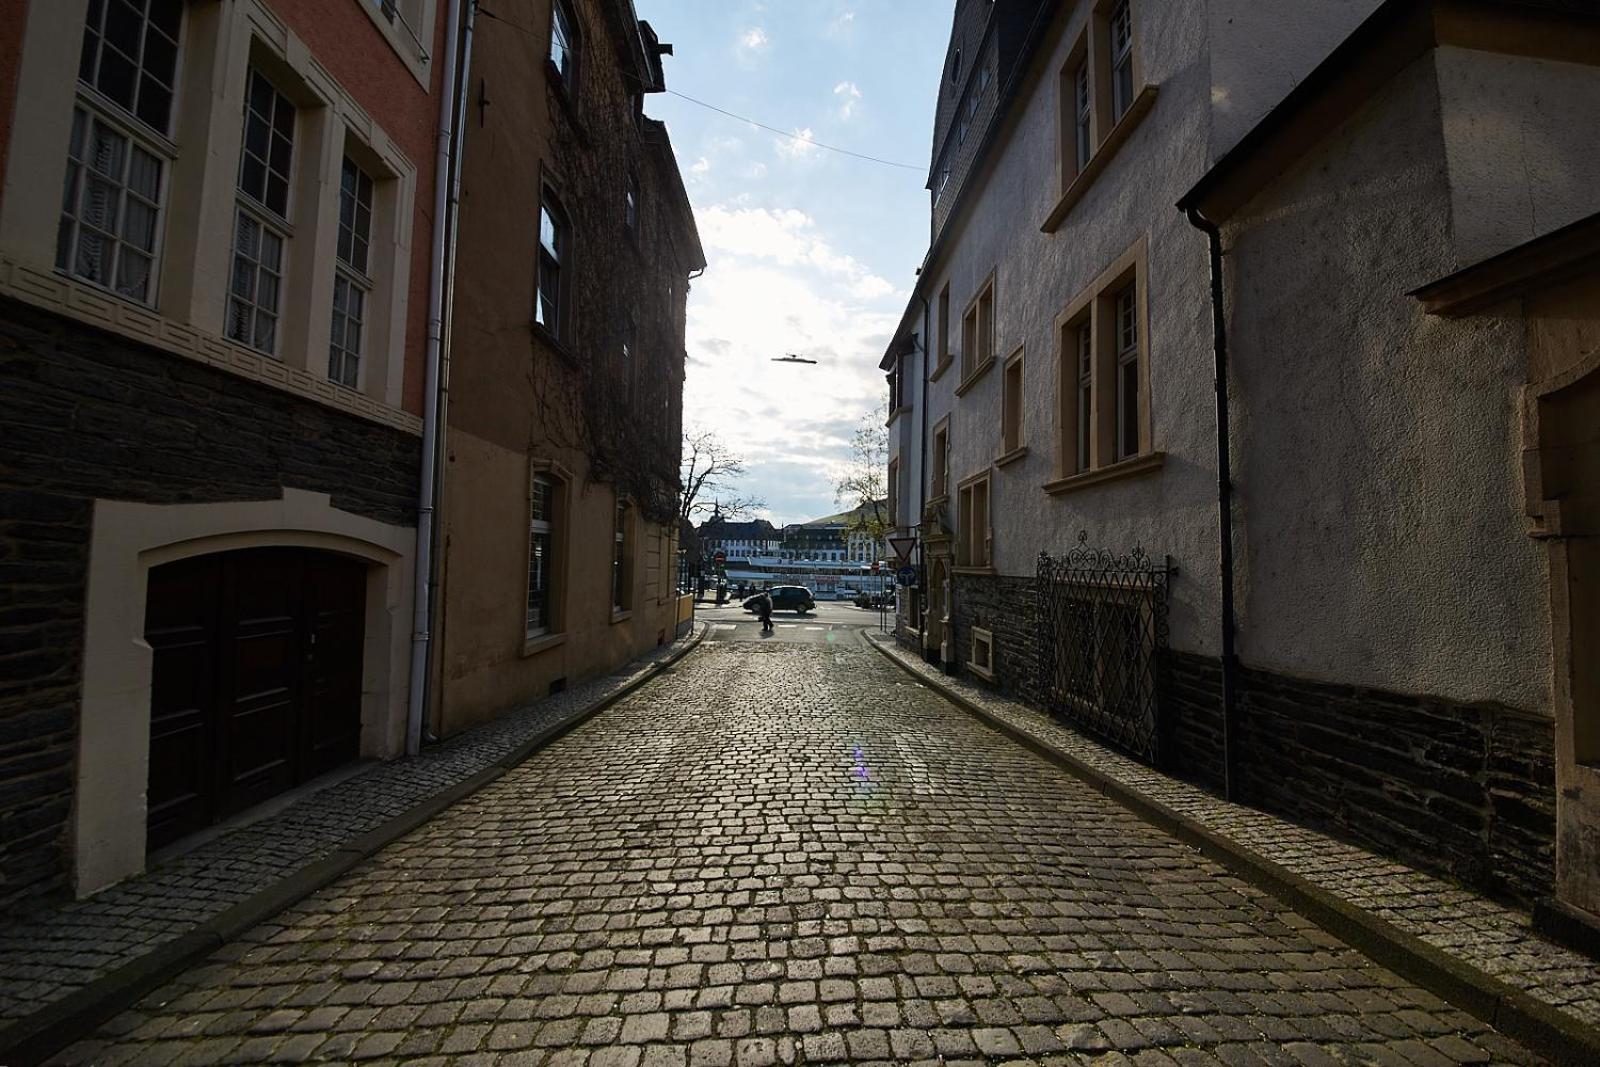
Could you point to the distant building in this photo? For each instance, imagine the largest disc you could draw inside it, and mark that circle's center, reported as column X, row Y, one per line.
column 1406, row 229
column 739, row 540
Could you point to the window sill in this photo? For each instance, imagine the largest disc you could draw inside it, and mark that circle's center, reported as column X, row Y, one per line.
column 982, row 672
column 543, row 643
column 939, row 369
column 981, row 572
column 1102, row 157
column 903, row 409
column 937, row 501
column 621, row 616
column 556, row 344
column 1128, row 468
column 972, row 379
column 1012, row 456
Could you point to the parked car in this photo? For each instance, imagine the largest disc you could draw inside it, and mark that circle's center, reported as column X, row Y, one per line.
column 875, row 601
column 795, row 598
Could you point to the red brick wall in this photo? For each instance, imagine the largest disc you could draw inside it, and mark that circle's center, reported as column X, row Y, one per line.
column 356, row 53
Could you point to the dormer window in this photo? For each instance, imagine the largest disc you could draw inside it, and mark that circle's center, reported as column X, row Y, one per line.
column 955, row 68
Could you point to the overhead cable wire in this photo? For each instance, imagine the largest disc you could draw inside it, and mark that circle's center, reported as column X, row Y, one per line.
column 723, row 111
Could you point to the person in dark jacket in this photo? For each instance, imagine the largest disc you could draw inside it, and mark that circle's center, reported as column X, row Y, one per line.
column 764, row 610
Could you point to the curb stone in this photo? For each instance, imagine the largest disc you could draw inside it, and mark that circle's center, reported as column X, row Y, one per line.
column 75, row 1016
column 1514, row 1013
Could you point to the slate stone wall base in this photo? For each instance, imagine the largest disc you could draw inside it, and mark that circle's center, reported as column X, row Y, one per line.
column 1464, row 790
column 86, row 416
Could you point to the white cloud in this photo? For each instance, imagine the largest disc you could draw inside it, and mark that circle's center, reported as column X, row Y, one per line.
column 800, row 146
column 700, row 166
column 849, row 94
column 753, row 40
column 778, row 284
column 841, row 25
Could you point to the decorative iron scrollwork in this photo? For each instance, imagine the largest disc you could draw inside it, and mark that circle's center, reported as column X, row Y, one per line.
column 1103, row 633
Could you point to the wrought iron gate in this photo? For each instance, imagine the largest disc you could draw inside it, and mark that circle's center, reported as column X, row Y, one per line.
column 1103, row 635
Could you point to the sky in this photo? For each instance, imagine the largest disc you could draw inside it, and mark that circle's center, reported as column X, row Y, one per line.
column 811, row 252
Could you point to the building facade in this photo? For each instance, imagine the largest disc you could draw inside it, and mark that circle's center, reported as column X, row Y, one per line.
column 559, row 531
column 213, row 249
column 1371, row 651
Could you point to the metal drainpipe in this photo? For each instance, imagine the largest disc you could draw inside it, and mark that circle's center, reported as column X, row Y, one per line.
column 446, row 199
column 1230, row 663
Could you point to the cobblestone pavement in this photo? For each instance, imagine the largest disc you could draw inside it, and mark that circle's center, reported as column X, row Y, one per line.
column 1481, row 933
column 51, row 951
column 790, row 853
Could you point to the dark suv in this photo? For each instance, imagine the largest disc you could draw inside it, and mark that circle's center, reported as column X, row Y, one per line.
column 795, row 598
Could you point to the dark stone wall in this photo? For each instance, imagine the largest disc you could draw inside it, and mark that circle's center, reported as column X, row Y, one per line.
column 1463, row 790
column 87, row 416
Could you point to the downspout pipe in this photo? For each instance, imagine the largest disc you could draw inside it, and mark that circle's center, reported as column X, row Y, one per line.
column 1230, row 661
column 446, row 199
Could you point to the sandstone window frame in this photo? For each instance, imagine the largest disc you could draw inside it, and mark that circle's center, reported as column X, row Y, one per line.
column 980, row 660
column 978, row 334
column 1013, row 408
column 942, row 357
column 1118, row 100
column 1095, row 309
column 263, row 228
column 975, row 523
column 408, row 27
column 939, row 473
column 186, row 314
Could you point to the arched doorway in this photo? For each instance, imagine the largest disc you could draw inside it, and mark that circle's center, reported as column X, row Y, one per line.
column 256, row 679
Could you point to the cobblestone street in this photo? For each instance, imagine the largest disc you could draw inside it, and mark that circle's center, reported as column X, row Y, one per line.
column 790, row 853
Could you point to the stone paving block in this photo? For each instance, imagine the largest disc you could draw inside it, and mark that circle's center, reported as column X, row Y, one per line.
column 701, row 877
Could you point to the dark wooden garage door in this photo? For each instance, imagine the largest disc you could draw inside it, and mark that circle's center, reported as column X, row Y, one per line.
column 256, row 682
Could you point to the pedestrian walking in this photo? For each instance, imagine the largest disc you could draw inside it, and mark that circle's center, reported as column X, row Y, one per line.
column 764, row 610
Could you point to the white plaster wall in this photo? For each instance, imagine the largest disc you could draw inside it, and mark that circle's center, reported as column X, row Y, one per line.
column 1523, row 139
column 1261, row 50
column 1382, row 535
column 1037, row 275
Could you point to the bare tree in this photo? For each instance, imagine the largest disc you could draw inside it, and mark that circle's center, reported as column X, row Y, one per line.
column 864, row 486
column 711, row 470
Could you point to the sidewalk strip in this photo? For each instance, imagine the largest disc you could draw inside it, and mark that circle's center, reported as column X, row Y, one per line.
column 36, row 1037
column 1514, row 1012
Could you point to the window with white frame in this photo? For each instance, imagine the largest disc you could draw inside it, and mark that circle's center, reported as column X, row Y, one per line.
column 261, row 225
column 563, row 45
column 1121, row 34
column 1127, row 323
column 118, row 152
column 554, row 236
column 543, row 499
column 1084, row 404
column 1083, row 116
column 352, row 284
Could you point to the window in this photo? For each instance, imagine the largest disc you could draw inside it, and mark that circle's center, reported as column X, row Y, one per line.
column 351, row 283
column 621, row 559
column 973, row 538
column 260, row 228
column 982, row 658
column 1127, row 307
column 630, row 207
column 1104, row 407
column 977, row 333
column 941, row 459
column 1121, row 32
column 1085, row 393
column 1011, row 406
column 894, row 494
column 939, row 186
column 542, row 502
column 1083, row 122
column 554, row 236
column 942, row 356
column 112, row 195
column 563, row 45
column 130, row 56
column 955, row 68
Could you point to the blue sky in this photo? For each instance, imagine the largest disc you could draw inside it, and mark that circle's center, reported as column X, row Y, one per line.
column 810, row 251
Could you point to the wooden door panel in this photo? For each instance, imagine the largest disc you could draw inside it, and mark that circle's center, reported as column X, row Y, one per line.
column 180, row 627
column 266, row 645
column 336, row 595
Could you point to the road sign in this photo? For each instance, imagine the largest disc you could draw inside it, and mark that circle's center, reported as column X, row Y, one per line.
column 906, row 576
column 902, row 547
